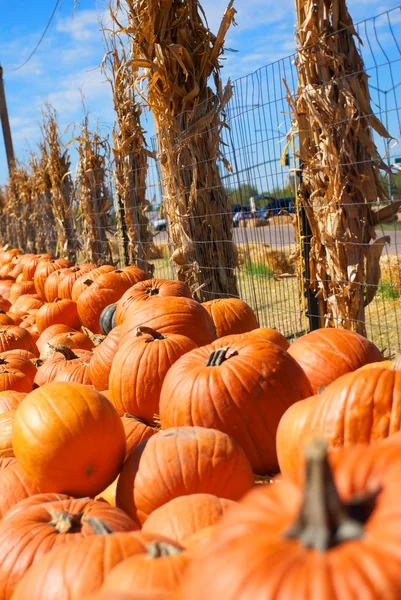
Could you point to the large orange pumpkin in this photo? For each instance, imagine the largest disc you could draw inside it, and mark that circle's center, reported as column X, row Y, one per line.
column 105, row 290
column 11, row 379
column 231, row 315
column 69, row 438
column 363, row 406
column 18, row 362
column 139, row 369
column 30, row 265
column 20, row 289
column 156, row 472
column 243, row 390
column 27, row 536
column 12, row 338
column 63, row 572
column 326, row 354
column 146, row 290
column 182, row 316
column 74, row 340
column 52, row 331
column 320, row 536
column 73, row 363
column 52, row 283
column 26, row 303
column 262, row 333
column 184, row 516
column 61, row 311
column 136, row 431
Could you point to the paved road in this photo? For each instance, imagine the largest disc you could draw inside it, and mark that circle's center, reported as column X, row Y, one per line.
column 279, row 236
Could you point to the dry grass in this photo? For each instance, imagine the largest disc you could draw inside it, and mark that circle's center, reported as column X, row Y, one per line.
column 275, row 261
column 390, row 266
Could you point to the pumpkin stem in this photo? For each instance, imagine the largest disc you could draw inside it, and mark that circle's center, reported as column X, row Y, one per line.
column 217, row 357
column 98, row 526
column 88, row 282
column 65, row 522
column 139, row 420
column 152, row 291
column 324, row 520
column 66, row 352
column 396, row 365
column 57, row 300
column 155, row 334
column 3, row 361
column 160, row 549
column 38, row 362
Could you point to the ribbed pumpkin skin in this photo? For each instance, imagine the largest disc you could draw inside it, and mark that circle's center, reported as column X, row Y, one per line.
column 51, row 368
column 20, row 289
column 25, row 303
column 136, row 432
column 245, row 396
column 25, row 537
column 14, row 338
column 10, row 400
column 75, row 340
column 61, row 311
column 52, row 283
column 80, row 284
column 44, row 269
column 6, row 425
column 35, row 500
column 102, row 359
column 63, row 574
column 360, row 407
column 147, row 290
column 326, row 354
column 182, row 316
column 73, row 273
column 142, row 573
column 139, row 369
column 50, row 332
column 15, row 486
column 231, row 316
column 11, row 379
column 69, row 438
column 261, row 333
column 156, row 471
column 105, row 290
column 250, row 552
column 184, row 516
column 76, row 371
column 18, row 362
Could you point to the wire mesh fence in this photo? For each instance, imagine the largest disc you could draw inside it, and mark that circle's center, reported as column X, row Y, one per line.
column 267, row 245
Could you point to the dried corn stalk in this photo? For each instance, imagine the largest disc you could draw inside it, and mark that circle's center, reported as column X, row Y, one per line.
column 58, row 169
column 93, row 195
column 130, row 156
column 43, row 221
column 340, row 162
column 177, row 52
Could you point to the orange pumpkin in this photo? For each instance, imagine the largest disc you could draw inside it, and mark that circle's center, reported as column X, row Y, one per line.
column 14, row 486
column 146, row 290
column 12, row 337
column 69, row 438
column 262, row 333
column 18, row 362
column 85, row 280
column 44, row 268
column 326, row 354
column 75, row 340
column 20, row 289
column 60, row 311
column 214, row 463
column 10, row 400
column 72, row 274
column 74, row 363
column 26, row 536
column 231, row 316
column 102, row 359
column 63, row 572
column 185, row 516
column 243, row 390
column 136, row 431
column 167, row 315
column 30, row 264
column 139, row 368
column 52, row 283
column 10, row 379
column 52, row 331
column 26, row 303
column 6, row 427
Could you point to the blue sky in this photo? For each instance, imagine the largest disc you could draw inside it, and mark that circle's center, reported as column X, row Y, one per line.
column 66, row 63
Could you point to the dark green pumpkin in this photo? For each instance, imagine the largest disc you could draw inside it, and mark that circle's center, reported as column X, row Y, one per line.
column 107, row 319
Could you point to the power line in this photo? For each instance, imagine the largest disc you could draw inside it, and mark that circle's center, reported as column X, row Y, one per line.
column 41, row 39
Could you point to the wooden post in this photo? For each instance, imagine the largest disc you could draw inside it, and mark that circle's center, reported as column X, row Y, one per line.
column 5, row 123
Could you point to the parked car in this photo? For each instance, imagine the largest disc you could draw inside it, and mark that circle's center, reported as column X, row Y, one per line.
column 159, row 225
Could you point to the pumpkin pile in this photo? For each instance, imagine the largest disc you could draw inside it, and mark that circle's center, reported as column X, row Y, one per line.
column 150, row 443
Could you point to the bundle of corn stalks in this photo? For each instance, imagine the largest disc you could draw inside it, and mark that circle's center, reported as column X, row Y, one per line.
column 177, row 52
column 93, row 195
column 62, row 191
column 340, row 162
column 130, row 156
column 43, row 221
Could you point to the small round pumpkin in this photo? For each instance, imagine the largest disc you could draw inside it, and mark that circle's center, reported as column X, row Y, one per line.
column 69, row 438
column 18, row 362
column 11, row 379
